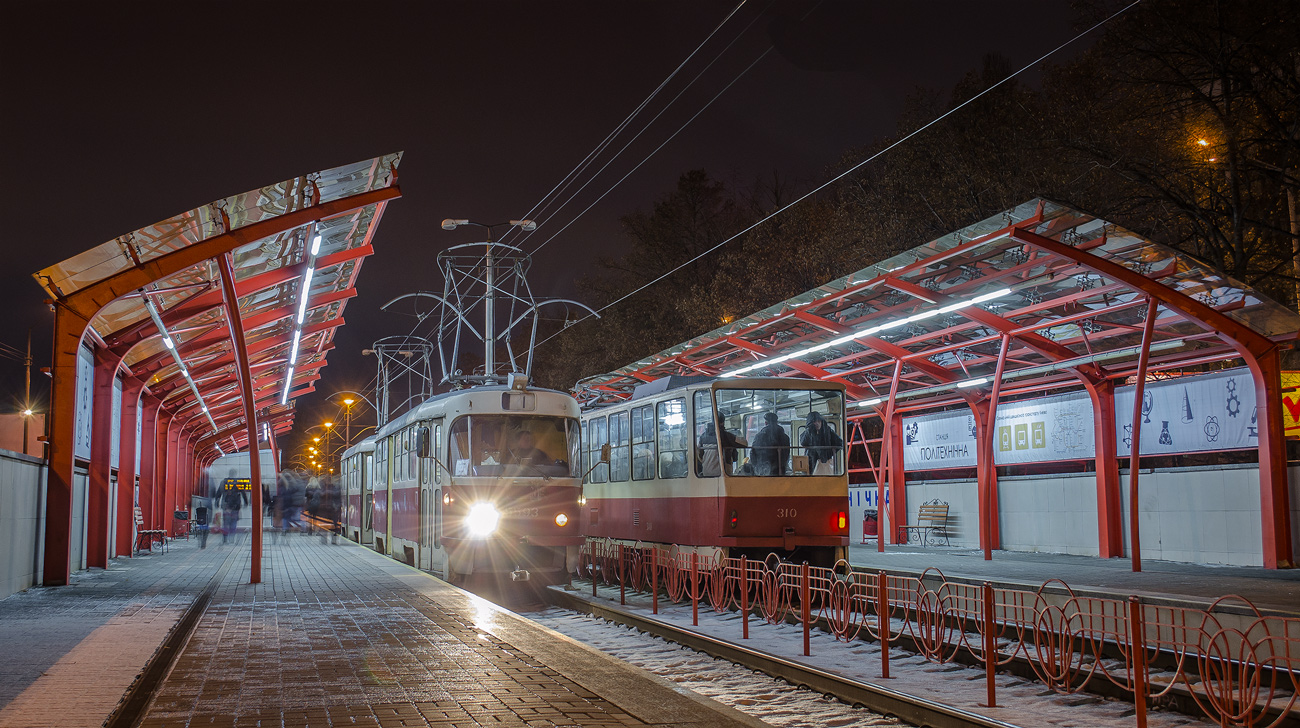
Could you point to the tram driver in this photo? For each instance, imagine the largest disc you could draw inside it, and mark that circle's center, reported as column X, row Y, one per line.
column 524, row 451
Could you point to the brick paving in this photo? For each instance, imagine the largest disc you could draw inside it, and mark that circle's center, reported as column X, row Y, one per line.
column 70, row 653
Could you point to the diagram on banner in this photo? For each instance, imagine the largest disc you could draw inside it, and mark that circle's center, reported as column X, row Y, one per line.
column 1187, row 408
column 1234, row 403
column 1071, row 428
column 1211, row 428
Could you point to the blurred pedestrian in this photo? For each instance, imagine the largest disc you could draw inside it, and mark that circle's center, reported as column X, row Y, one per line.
column 327, row 510
column 233, row 499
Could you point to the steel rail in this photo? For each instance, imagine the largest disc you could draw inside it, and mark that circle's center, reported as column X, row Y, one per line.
column 910, row 708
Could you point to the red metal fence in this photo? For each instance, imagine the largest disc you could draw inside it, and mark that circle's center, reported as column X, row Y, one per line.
column 1240, row 667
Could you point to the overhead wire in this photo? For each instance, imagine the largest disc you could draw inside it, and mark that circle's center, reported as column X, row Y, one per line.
column 850, row 170
column 650, row 123
column 573, row 174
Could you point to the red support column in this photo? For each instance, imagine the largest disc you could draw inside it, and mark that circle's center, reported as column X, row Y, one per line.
column 897, row 478
column 1135, row 455
column 236, row 324
column 161, row 468
column 1110, row 522
column 1274, row 498
column 98, row 528
column 68, row 330
column 171, row 483
column 126, row 464
column 985, row 465
column 148, row 457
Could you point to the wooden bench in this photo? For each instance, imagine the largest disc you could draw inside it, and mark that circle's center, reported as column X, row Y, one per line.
column 145, row 537
column 931, row 523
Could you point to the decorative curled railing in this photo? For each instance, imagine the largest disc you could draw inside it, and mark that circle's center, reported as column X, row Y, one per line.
column 1236, row 665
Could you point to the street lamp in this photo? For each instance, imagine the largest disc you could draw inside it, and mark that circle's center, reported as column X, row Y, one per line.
column 489, row 298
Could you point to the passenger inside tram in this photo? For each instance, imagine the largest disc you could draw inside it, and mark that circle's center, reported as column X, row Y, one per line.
column 771, row 449
column 719, row 449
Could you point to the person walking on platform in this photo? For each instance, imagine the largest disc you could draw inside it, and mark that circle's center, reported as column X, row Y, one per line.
column 327, row 510
column 232, row 500
column 771, row 447
column 290, row 500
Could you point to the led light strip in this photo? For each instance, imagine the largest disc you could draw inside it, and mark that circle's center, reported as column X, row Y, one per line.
column 171, row 346
column 304, row 293
column 870, row 331
column 1027, row 371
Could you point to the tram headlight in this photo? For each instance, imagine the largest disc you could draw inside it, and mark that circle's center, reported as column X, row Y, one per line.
column 482, row 519
column 562, row 520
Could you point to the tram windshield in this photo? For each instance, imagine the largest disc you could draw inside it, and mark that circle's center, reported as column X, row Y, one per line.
column 769, row 432
column 517, row 446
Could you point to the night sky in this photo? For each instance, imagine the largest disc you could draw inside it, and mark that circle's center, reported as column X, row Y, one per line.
column 117, row 115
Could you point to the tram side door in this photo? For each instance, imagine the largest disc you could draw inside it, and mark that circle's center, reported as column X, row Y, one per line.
column 368, row 498
column 426, row 510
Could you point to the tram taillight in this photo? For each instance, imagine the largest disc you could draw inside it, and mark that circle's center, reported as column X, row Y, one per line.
column 841, row 521
column 735, row 518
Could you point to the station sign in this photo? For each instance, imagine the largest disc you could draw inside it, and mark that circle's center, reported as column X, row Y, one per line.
column 237, row 483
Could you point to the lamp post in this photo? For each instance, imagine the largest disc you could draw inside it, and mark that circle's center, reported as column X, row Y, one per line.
column 348, row 401
column 489, row 298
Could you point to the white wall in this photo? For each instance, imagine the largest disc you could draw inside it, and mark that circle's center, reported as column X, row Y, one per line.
column 1207, row 515
column 22, row 520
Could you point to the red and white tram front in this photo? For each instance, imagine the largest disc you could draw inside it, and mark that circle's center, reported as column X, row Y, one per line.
column 511, row 505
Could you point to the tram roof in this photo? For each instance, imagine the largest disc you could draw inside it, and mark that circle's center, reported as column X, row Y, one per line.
column 1068, row 290
column 163, row 282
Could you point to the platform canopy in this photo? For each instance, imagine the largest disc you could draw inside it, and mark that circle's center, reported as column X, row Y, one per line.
column 154, row 299
column 1038, row 298
column 1069, row 291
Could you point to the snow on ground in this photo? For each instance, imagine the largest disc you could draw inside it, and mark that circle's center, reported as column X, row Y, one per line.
column 1020, row 701
column 768, row 699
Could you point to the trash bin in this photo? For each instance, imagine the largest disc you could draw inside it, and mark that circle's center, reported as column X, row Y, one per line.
column 870, row 524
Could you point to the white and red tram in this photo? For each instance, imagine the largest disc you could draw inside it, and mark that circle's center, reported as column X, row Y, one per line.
column 669, row 481
column 481, row 481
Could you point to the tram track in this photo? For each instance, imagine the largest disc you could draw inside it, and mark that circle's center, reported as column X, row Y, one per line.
column 909, row 708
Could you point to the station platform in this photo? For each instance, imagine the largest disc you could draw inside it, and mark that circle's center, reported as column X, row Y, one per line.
column 334, row 635
column 1272, row 591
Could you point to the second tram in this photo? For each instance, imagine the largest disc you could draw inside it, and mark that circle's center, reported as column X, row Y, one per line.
column 737, row 466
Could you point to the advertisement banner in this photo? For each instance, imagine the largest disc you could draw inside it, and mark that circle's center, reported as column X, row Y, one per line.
column 1196, row 413
column 1213, row 411
column 1291, row 403
column 1044, row 429
column 85, row 399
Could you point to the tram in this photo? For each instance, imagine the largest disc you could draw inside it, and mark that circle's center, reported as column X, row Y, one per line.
column 721, row 466
column 480, row 482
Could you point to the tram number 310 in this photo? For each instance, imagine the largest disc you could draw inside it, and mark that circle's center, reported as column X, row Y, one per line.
column 787, row 512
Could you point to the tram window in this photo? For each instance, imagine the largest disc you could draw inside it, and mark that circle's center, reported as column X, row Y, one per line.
column 586, row 451
column 595, row 437
column 643, row 445
column 672, row 438
column 437, row 452
column 619, row 430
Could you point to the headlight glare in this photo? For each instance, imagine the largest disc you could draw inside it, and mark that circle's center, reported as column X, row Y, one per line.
column 562, row 520
column 482, row 519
